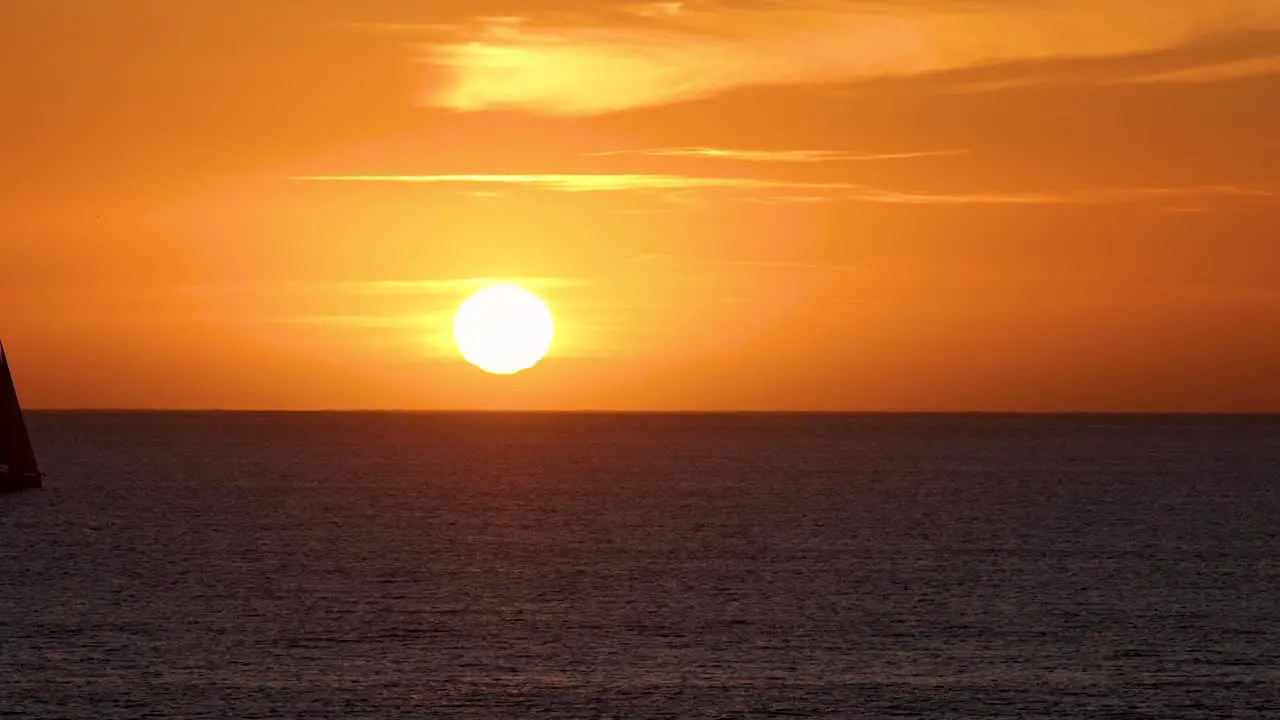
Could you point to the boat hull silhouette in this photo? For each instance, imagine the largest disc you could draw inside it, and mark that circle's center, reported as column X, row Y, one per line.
column 16, row 482
column 18, row 469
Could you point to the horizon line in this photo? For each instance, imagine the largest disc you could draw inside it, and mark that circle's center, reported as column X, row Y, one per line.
column 606, row 411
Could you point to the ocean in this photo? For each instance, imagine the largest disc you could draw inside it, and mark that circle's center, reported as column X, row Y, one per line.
column 227, row 565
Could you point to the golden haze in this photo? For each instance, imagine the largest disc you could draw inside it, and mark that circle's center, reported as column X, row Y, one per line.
column 826, row 204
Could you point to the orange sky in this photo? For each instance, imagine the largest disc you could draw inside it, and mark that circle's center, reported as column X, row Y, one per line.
column 813, row 204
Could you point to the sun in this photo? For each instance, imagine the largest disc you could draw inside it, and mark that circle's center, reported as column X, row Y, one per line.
column 503, row 329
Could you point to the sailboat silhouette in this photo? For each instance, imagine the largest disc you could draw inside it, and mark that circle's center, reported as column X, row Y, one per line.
column 18, row 469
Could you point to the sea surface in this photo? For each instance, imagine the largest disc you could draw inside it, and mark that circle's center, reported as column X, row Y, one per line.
column 643, row 566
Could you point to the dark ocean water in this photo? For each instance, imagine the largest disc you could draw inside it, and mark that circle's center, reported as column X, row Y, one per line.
column 480, row 566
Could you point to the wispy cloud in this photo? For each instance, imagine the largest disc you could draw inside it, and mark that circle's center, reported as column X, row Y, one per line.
column 667, row 263
column 779, row 156
column 386, row 287
column 1210, row 72
column 789, row 199
column 794, row 265
column 364, row 322
column 410, row 287
column 656, row 9
column 588, row 182
column 1090, row 196
column 783, row 191
column 1184, row 192
column 1235, row 69
column 668, row 52
column 772, row 190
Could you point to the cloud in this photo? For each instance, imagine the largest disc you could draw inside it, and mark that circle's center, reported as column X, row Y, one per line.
column 656, row 9
column 673, row 185
column 793, row 265
column 413, row 287
column 784, row 191
column 779, row 156
column 387, row 287
column 1208, row 70
column 363, row 322
column 1092, row 196
column 665, row 259
column 1233, row 70
column 668, row 52
column 588, row 182
column 1137, row 194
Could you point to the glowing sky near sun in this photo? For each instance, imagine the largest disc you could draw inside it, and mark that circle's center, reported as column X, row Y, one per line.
column 812, row 204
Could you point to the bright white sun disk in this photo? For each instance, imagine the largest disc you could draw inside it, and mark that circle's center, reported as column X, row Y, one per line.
column 503, row 329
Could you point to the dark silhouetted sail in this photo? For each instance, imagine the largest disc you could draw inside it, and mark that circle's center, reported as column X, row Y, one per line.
column 18, row 470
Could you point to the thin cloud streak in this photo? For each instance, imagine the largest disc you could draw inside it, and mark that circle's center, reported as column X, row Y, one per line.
column 1189, row 192
column 1234, row 70
column 1254, row 67
column 387, row 287
column 785, row 191
column 656, row 9
column 779, row 156
column 794, row 265
column 609, row 63
column 588, row 182
column 364, row 322
column 408, row 287
column 1097, row 196
column 665, row 262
